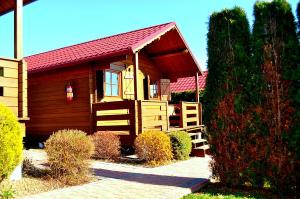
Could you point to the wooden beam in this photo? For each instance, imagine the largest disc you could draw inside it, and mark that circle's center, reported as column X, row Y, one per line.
column 18, row 30
column 135, row 74
column 169, row 53
column 197, row 87
column 92, row 74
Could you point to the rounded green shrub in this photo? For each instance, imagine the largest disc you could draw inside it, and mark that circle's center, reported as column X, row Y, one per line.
column 181, row 145
column 154, row 147
column 11, row 142
column 69, row 152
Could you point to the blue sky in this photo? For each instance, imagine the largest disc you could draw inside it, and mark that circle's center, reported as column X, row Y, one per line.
column 51, row 24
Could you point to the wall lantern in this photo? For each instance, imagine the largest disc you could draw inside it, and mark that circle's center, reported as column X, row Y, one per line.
column 69, row 92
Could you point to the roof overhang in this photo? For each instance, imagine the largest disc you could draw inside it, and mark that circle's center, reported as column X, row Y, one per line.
column 171, row 53
column 7, row 6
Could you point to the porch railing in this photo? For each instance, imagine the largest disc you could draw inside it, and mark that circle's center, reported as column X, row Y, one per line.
column 117, row 116
column 190, row 114
column 153, row 115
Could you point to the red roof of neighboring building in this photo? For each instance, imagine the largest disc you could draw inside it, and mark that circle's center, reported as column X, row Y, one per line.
column 188, row 83
column 119, row 44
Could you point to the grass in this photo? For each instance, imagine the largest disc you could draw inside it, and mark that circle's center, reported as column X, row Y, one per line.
column 217, row 191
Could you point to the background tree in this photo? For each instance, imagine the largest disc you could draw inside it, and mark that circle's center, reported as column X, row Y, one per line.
column 275, row 55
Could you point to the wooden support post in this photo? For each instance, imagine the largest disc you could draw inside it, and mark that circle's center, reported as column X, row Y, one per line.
column 182, row 123
column 92, row 97
column 197, row 87
column 135, row 74
column 18, row 30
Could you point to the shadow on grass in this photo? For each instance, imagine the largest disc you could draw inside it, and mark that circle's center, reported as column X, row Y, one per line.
column 154, row 179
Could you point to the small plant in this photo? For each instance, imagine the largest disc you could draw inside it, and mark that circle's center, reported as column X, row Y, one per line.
column 11, row 139
column 7, row 192
column 68, row 154
column 154, row 147
column 181, row 145
column 107, row 145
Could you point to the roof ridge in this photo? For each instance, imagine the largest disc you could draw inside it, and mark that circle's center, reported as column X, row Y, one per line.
column 106, row 37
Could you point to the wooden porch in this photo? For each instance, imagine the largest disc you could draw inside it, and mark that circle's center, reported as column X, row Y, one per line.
column 131, row 117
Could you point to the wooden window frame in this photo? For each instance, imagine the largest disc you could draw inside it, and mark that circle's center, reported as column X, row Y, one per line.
column 158, row 93
column 119, row 83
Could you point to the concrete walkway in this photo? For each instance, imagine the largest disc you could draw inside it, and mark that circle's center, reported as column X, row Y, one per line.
column 123, row 181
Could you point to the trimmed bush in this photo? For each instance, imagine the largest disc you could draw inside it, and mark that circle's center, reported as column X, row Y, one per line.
column 107, row 145
column 11, row 144
column 181, row 145
column 154, row 147
column 68, row 154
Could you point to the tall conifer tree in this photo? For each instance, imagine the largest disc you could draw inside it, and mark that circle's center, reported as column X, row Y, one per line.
column 276, row 56
column 227, row 93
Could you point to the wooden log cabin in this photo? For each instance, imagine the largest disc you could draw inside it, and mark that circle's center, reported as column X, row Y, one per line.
column 13, row 71
column 119, row 83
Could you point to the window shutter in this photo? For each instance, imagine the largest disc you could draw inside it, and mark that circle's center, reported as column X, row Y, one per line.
column 165, row 89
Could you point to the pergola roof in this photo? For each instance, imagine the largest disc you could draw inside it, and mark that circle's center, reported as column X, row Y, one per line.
column 9, row 5
column 163, row 43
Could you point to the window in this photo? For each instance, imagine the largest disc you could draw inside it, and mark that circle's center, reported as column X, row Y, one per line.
column 154, row 89
column 1, row 71
column 1, row 91
column 111, row 83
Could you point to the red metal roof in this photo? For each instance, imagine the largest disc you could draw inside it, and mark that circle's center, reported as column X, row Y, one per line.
column 188, row 83
column 97, row 49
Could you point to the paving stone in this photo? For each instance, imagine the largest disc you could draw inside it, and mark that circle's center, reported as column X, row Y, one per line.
column 122, row 181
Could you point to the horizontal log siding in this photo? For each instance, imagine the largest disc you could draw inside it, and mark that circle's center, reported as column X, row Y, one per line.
column 9, row 83
column 48, row 109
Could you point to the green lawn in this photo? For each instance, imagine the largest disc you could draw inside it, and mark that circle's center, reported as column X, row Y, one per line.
column 215, row 191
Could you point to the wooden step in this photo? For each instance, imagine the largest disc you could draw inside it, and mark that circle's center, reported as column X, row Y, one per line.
column 195, row 134
column 204, row 147
column 201, row 151
column 198, row 141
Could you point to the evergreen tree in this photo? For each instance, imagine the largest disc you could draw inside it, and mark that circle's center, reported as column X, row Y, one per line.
column 276, row 58
column 228, row 94
column 298, row 16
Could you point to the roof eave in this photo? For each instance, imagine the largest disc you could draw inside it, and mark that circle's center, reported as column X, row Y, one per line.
column 191, row 53
column 91, row 59
column 146, row 41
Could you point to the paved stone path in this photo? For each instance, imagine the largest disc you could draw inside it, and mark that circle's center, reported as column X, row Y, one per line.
column 121, row 181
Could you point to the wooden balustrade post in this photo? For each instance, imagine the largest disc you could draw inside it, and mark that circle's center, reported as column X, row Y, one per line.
column 200, row 113
column 197, row 87
column 181, row 115
column 136, row 75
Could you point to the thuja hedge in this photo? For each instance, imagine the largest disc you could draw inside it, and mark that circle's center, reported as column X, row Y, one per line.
column 276, row 57
column 252, row 97
column 228, row 94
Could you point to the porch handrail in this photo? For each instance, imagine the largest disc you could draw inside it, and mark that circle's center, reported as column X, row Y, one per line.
column 119, row 116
